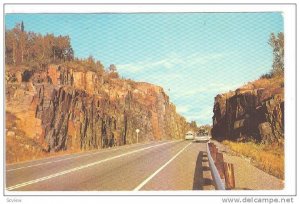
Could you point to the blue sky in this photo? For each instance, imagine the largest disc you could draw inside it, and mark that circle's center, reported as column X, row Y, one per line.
column 193, row 56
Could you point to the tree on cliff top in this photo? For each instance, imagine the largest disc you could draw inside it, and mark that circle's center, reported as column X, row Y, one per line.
column 112, row 68
column 193, row 125
column 22, row 26
column 35, row 50
column 277, row 43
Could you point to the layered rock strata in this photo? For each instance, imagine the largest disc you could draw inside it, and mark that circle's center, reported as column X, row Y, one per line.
column 60, row 108
column 252, row 112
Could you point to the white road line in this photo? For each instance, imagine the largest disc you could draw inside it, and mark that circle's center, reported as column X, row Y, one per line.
column 74, row 157
column 81, row 167
column 80, row 153
column 158, row 170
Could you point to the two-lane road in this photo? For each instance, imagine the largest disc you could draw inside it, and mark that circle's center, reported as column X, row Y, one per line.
column 162, row 165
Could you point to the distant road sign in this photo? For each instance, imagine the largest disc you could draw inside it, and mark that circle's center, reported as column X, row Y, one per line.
column 137, row 135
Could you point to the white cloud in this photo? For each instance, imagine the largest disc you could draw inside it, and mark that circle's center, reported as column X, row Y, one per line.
column 208, row 88
column 205, row 114
column 129, row 68
column 191, row 92
column 188, row 80
column 171, row 61
column 224, row 87
column 183, row 109
column 146, row 65
column 201, row 59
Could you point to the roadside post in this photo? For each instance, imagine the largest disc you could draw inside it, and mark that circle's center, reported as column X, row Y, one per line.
column 137, row 135
column 229, row 176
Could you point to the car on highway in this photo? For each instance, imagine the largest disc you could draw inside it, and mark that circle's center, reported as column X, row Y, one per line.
column 202, row 136
column 189, row 135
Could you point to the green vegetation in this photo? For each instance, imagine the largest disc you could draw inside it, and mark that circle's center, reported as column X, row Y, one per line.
column 32, row 51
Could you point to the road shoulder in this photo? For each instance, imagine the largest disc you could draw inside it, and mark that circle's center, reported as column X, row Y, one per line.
column 247, row 176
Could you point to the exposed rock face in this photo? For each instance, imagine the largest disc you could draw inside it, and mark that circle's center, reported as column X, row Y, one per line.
column 253, row 112
column 65, row 109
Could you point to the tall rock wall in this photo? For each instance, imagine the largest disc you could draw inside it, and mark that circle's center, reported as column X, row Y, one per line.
column 62, row 108
column 253, row 112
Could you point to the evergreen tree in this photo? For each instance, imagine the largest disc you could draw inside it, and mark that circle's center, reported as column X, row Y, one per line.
column 22, row 26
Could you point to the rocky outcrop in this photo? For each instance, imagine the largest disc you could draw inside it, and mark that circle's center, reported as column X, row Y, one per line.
column 253, row 112
column 62, row 108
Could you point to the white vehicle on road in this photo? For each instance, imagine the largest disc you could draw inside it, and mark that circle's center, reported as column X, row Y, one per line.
column 189, row 135
column 202, row 136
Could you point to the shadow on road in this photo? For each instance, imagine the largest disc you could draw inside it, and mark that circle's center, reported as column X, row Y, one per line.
column 199, row 179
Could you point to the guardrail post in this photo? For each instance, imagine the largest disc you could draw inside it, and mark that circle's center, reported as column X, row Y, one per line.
column 220, row 164
column 229, row 176
column 214, row 151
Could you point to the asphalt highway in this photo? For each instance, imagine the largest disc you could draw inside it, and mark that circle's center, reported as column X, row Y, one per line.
column 160, row 165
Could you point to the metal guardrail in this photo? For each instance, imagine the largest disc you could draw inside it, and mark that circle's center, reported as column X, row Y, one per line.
column 215, row 174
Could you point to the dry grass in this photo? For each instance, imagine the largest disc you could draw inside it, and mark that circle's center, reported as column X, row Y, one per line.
column 84, row 65
column 269, row 158
column 276, row 81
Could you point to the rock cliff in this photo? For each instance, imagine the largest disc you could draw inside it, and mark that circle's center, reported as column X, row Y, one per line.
column 252, row 112
column 60, row 108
